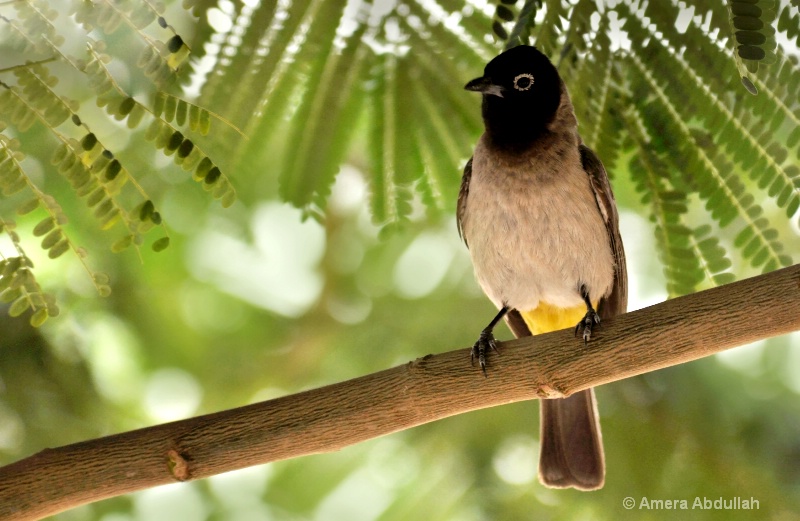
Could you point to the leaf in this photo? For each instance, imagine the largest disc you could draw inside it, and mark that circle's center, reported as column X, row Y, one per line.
column 180, row 112
column 175, row 44
column 44, row 226
column 126, row 106
column 161, row 244
column 185, row 148
column 135, row 117
column 58, row 249
column 146, row 211
column 51, row 239
column 204, row 125
column 19, row 306
column 159, row 103
column 169, row 108
column 174, row 142
column 212, row 176
column 10, row 294
column 104, row 208
column 113, row 169
column 89, row 141
column 122, row 244
column 96, row 196
column 28, row 206
column 228, row 199
column 202, row 168
column 39, row 317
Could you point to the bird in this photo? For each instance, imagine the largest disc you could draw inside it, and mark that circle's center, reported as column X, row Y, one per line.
column 539, row 219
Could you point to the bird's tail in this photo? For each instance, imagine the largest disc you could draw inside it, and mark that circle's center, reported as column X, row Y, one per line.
column 571, row 444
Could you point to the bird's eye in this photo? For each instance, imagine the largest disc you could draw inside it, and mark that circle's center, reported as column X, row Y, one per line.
column 523, row 81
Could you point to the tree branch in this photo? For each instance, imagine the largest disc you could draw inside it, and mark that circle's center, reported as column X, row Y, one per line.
column 427, row 389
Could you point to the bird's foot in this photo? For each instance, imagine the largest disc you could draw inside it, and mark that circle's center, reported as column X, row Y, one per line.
column 589, row 321
column 485, row 343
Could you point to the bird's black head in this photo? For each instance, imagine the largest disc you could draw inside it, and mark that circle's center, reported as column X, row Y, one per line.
column 521, row 94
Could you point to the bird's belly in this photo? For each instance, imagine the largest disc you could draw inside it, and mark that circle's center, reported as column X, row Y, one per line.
column 541, row 247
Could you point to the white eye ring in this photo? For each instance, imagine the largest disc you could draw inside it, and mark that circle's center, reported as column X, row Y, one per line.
column 529, row 77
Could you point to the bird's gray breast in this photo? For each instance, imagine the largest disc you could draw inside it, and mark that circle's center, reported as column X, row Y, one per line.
column 534, row 230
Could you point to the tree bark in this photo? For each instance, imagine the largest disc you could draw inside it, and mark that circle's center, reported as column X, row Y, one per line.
column 421, row 391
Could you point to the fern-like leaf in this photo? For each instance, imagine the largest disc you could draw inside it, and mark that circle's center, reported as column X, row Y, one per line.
column 714, row 178
column 753, row 36
column 159, row 60
column 55, row 240
column 324, row 122
column 18, row 285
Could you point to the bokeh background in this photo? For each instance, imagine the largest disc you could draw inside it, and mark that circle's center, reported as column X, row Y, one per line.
column 258, row 301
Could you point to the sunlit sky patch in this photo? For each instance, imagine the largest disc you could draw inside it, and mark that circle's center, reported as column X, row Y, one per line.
column 171, row 502
column 423, row 265
column 514, row 460
column 172, row 394
column 276, row 270
column 792, row 367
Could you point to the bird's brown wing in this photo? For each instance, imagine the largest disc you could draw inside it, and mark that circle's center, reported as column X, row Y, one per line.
column 461, row 208
column 616, row 302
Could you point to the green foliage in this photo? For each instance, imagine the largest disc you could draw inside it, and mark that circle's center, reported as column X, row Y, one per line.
column 31, row 95
column 18, row 286
column 524, row 23
column 307, row 81
column 754, row 32
column 172, row 108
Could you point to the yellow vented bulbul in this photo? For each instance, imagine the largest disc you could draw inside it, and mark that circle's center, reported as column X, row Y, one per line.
column 537, row 213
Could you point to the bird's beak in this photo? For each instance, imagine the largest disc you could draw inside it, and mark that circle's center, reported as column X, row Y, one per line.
column 485, row 86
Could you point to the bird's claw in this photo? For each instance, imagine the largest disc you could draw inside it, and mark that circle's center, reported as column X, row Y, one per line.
column 589, row 321
column 486, row 342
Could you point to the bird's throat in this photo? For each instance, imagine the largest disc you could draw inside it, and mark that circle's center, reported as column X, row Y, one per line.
column 515, row 127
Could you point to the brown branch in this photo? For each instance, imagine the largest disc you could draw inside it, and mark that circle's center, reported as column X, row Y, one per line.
column 427, row 389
